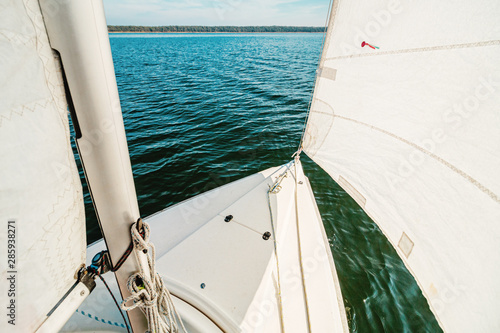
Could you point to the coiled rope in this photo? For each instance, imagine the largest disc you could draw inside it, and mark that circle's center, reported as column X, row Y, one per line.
column 148, row 292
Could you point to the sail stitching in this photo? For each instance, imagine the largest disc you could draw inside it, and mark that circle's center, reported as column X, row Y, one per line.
column 416, row 50
column 42, row 46
column 473, row 181
column 58, row 225
column 20, row 109
column 52, row 72
column 17, row 38
column 59, row 229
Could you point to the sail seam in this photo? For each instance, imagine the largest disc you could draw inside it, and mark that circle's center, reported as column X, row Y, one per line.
column 416, row 50
column 466, row 176
column 322, row 112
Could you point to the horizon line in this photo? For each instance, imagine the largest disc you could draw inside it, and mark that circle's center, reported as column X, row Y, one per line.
column 217, row 26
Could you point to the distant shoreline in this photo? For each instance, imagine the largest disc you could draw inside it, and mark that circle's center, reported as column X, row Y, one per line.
column 212, row 29
column 215, row 32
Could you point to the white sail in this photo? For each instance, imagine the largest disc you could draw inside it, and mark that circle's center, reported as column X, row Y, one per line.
column 40, row 190
column 409, row 126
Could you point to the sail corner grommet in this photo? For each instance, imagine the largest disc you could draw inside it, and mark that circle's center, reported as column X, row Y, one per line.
column 266, row 235
column 228, row 218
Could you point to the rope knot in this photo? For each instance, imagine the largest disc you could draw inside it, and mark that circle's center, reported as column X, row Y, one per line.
column 147, row 290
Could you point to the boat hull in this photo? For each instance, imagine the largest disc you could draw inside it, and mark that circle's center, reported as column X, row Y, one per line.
column 226, row 276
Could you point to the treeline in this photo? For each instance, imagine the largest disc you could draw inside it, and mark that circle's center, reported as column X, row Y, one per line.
column 184, row 28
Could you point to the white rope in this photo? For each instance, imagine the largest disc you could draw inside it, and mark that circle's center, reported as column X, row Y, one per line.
column 274, row 189
column 301, row 265
column 149, row 292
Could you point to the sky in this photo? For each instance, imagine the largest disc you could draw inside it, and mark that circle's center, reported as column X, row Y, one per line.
column 216, row 12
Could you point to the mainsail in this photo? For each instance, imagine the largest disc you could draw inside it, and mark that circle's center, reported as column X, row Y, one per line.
column 40, row 190
column 405, row 117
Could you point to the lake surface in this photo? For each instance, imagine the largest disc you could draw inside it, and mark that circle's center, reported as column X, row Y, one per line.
column 201, row 110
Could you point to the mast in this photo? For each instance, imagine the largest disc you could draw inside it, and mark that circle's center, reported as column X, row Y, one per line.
column 78, row 31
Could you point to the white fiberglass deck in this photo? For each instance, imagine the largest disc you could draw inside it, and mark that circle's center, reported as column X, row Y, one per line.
column 235, row 265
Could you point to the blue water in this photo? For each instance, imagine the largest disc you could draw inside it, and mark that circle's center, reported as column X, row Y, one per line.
column 202, row 110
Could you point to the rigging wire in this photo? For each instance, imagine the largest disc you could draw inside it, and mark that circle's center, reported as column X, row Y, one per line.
column 116, row 302
column 328, row 16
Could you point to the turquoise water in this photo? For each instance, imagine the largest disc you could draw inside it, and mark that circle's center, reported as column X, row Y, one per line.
column 202, row 110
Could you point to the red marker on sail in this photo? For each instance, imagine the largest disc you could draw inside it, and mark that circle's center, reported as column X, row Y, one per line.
column 365, row 43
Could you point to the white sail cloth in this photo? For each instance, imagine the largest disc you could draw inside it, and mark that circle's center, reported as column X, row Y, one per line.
column 39, row 184
column 411, row 130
